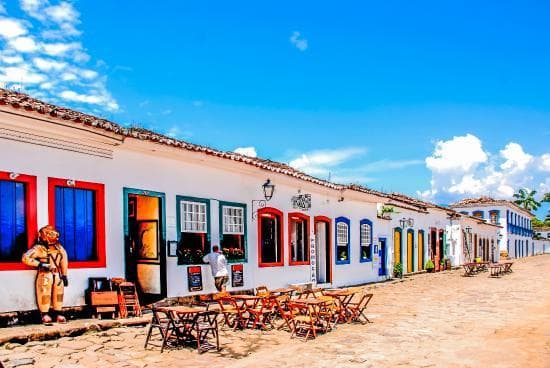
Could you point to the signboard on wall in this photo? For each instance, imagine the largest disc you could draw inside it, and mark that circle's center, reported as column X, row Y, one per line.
column 301, row 202
column 313, row 260
column 237, row 275
column 194, row 278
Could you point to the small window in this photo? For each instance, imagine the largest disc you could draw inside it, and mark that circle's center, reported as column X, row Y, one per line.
column 77, row 211
column 298, row 238
column 233, row 234
column 478, row 214
column 342, row 240
column 193, row 229
column 17, row 218
column 366, row 240
column 494, row 217
column 270, row 237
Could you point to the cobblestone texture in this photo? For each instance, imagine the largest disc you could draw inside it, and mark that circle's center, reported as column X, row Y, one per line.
column 431, row 320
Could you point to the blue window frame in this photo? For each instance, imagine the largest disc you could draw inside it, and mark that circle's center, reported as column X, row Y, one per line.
column 494, row 217
column 13, row 221
column 75, row 219
column 365, row 240
column 342, row 240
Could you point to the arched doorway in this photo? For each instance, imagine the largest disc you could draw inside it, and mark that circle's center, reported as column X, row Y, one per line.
column 410, row 251
column 420, row 257
column 397, row 257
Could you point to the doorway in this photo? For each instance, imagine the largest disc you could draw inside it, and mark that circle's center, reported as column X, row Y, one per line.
column 433, row 248
column 382, row 271
column 410, row 252
column 397, row 256
column 144, row 234
column 420, row 250
column 440, row 248
column 323, row 250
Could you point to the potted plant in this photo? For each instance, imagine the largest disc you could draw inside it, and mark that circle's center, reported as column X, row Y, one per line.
column 343, row 256
column 398, row 270
column 442, row 265
column 430, row 267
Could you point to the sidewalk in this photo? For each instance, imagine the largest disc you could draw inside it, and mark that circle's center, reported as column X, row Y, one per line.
column 24, row 334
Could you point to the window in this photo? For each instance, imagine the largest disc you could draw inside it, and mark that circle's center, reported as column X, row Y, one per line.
column 494, row 217
column 270, row 237
column 233, row 231
column 342, row 240
column 365, row 240
column 464, row 212
column 478, row 214
column 77, row 211
column 298, row 238
column 17, row 218
column 193, row 226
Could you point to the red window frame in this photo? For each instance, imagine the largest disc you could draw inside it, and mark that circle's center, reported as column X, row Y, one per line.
column 273, row 212
column 99, row 189
column 307, row 240
column 30, row 209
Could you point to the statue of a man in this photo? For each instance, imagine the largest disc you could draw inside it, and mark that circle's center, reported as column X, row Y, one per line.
column 49, row 257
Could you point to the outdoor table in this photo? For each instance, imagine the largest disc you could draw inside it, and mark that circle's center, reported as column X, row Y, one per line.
column 469, row 269
column 344, row 297
column 507, row 266
column 247, row 301
column 183, row 322
column 282, row 291
column 496, row 269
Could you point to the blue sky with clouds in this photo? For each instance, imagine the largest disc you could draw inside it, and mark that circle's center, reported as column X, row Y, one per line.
column 435, row 99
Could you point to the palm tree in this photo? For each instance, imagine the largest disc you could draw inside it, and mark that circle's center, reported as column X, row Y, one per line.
column 526, row 199
column 546, row 197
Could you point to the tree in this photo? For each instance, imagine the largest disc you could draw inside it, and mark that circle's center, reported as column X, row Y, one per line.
column 526, row 199
column 546, row 197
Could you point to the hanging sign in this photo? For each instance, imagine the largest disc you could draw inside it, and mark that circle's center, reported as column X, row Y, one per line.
column 301, row 202
column 313, row 260
column 194, row 278
column 237, row 275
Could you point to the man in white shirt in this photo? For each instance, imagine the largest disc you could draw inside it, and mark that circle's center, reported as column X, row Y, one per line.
column 218, row 264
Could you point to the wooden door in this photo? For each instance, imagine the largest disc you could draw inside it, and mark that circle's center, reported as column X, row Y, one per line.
column 396, row 246
column 410, row 246
column 420, row 257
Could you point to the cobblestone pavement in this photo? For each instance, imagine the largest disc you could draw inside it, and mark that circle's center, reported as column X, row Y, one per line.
column 431, row 320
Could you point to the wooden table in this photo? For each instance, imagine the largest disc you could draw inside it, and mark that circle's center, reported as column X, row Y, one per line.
column 496, row 269
column 247, row 301
column 507, row 266
column 282, row 291
column 344, row 297
column 182, row 323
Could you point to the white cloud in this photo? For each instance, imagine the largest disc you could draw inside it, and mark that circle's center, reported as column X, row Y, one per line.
column 48, row 64
column 11, row 28
column 460, row 153
column 298, row 41
column 21, row 74
column 246, row 151
column 23, row 44
column 42, row 52
column 385, row 165
column 320, row 162
column 544, row 164
column 60, row 49
column 462, row 168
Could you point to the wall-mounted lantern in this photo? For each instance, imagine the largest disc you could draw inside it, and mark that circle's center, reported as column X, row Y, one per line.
column 268, row 189
column 406, row 222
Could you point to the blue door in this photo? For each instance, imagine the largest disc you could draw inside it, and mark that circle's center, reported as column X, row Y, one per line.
column 382, row 255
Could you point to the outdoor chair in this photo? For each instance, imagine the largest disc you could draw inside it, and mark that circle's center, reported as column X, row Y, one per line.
column 262, row 314
column 357, row 310
column 233, row 315
column 281, row 309
column 329, row 312
column 160, row 322
column 205, row 324
column 303, row 320
column 262, row 289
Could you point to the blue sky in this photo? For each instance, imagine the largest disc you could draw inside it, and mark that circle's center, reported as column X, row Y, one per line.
column 434, row 99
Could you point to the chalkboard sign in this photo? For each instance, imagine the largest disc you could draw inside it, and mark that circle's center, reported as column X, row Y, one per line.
column 237, row 279
column 194, row 278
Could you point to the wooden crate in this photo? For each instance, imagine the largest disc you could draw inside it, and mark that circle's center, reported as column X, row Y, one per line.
column 103, row 298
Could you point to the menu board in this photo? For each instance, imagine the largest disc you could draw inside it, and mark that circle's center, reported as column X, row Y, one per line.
column 237, row 279
column 194, row 278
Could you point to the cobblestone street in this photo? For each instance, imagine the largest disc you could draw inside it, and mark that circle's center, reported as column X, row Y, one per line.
column 441, row 320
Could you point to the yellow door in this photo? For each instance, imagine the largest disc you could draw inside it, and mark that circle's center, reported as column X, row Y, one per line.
column 396, row 246
column 410, row 241
column 420, row 250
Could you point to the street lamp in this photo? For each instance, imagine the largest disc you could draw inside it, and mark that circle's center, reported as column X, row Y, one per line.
column 268, row 189
column 406, row 222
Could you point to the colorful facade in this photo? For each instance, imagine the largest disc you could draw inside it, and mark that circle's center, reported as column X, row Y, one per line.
column 131, row 203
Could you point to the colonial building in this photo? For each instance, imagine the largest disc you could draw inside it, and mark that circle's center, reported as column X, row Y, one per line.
column 136, row 204
column 516, row 237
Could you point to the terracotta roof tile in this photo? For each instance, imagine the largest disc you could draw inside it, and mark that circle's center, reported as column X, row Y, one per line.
column 488, row 201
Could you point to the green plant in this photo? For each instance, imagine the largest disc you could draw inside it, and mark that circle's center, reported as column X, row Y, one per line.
column 343, row 255
column 398, row 270
column 430, row 265
column 386, row 210
column 526, row 199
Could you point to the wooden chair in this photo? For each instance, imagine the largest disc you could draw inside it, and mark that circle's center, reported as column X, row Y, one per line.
column 160, row 322
column 233, row 315
column 262, row 289
column 205, row 324
column 261, row 314
column 357, row 310
column 280, row 305
column 329, row 312
column 303, row 320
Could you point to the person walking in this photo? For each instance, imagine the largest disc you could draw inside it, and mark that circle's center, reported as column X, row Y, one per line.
column 218, row 264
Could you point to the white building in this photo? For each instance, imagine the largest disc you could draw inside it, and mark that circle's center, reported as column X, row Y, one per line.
column 516, row 237
column 131, row 203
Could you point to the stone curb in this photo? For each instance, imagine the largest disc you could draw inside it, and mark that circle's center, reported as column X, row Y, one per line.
column 24, row 334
